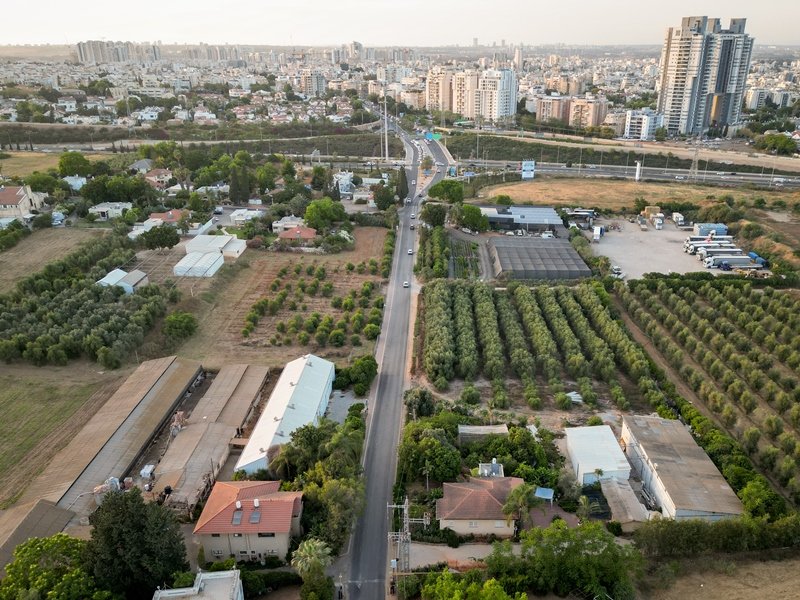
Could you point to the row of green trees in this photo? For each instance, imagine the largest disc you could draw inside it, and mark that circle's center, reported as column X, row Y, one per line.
column 61, row 314
column 433, row 256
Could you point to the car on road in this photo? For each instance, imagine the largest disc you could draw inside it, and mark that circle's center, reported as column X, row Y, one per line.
column 411, row 251
column 218, row 210
column 405, row 284
column 616, row 272
column 680, row 177
column 413, row 216
column 412, row 226
column 413, row 182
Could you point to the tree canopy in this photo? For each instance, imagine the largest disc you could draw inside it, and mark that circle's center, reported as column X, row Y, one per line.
column 135, row 546
column 163, row 236
column 74, row 163
column 322, row 213
column 448, row 190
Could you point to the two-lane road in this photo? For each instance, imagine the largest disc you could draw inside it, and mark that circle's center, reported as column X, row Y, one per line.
column 368, row 550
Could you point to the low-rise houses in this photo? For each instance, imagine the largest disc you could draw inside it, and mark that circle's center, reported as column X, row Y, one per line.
column 130, row 282
column 110, row 210
column 208, row 585
column 18, row 202
column 476, row 506
column 75, row 182
column 158, row 178
column 298, row 234
column 287, row 222
column 249, row 520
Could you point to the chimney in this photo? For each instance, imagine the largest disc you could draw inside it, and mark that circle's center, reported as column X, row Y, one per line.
column 238, row 505
column 255, row 502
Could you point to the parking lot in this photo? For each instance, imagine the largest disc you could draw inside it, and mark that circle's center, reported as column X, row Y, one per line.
column 638, row 252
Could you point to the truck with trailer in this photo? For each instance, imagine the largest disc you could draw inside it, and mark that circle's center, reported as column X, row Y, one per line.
column 704, row 253
column 758, row 259
column 695, row 246
column 707, row 238
column 739, row 262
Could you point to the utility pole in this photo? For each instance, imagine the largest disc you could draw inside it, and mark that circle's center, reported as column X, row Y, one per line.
column 386, row 124
column 402, row 561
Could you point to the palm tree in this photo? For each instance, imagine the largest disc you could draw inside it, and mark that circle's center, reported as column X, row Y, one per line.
column 311, row 558
column 521, row 500
column 586, row 508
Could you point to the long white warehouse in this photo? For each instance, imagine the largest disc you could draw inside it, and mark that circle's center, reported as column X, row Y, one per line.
column 300, row 397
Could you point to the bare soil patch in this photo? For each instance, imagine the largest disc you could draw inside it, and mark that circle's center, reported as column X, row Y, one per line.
column 38, row 249
column 616, row 195
column 221, row 310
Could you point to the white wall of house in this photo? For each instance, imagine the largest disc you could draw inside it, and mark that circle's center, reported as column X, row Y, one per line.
column 479, row 527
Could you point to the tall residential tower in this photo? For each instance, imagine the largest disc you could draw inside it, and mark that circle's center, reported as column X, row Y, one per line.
column 702, row 76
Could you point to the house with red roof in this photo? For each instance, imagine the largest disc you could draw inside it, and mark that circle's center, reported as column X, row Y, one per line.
column 248, row 520
column 476, row 506
column 300, row 234
column 158, row 178
column 16, row 202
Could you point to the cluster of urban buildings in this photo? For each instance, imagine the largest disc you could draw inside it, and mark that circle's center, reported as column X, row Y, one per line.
column 704, row 77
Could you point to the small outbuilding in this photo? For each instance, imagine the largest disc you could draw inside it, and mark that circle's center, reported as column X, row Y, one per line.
column 474, row 433
column 130, row 282
column 596, row 454
column 196, row 264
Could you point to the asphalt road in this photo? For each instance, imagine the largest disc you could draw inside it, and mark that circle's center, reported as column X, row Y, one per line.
column 368, row 552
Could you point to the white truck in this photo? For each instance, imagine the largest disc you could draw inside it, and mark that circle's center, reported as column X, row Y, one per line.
column 707, row 238
column 738, row 262
column 705, row 253
column 694, row 247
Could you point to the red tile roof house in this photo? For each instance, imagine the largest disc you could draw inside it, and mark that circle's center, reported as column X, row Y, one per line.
column 171, row 217
column 476, row 506
column 18, row 201
column 248, row 520
column 304, row 234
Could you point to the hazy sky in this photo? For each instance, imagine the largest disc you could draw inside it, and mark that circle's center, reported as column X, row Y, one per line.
column 383, row 22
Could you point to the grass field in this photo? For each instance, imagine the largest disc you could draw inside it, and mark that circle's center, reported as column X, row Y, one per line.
column 25, row 163
column 38, row 249
column 615, row 195
column 42, row 409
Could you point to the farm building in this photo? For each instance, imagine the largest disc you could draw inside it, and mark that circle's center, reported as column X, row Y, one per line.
column 625, row 506
column 676, row 472
column 536, row 258
column 300, row 397
column 113, row 439
column 473, row 433
column 130, row 282
column 196, row 264
column 250, row 520
column 227, row 245
column 41, row 518
column 200, row 446
column 527, row 218
column 596, row 454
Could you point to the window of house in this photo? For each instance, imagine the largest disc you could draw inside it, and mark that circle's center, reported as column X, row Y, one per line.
column 499, row 524
column 237, row 535
column 214, row 535
column 270, row 535
column 473, row 524
column 243, row 552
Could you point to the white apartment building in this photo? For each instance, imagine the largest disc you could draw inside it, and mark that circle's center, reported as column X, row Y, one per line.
column 642, row 124
column 497, row 94
column 703, row 71
column 439, row 89
column 465, row 93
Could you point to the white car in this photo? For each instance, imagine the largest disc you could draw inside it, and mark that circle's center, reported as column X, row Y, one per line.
column 411, row 251
column 413, row 216
column 413, row 182
column 405, row 284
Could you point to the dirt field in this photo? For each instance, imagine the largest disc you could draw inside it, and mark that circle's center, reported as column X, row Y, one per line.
column 38, row 249
column 736, row 581
column 619, row 194
column 25, row 163
column 42, row 410
column 221, row 309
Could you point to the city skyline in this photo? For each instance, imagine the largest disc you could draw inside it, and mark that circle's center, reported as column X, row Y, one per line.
column 418, row 23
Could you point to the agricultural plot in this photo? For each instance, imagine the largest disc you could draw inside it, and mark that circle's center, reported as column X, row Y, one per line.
column 542, row 337
column 464, row 260
column 738, row 348
column 433, row 255
column 556, row 338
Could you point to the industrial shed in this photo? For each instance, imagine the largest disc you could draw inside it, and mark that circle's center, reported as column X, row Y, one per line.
column 527, row 218
column 625, row 506
column 23, row 522
column 196, row 264
column 201, row 446
column 114, row 438
column 536, row 258
column 676, row 473
column 474, row 433
column 595, row 449
column 227, row 245
column 300, row 397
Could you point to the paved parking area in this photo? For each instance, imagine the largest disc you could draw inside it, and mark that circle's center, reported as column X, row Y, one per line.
column 339, row 404
column 638, row 252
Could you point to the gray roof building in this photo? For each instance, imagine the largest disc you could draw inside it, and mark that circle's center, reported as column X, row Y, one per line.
column 536, row 258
